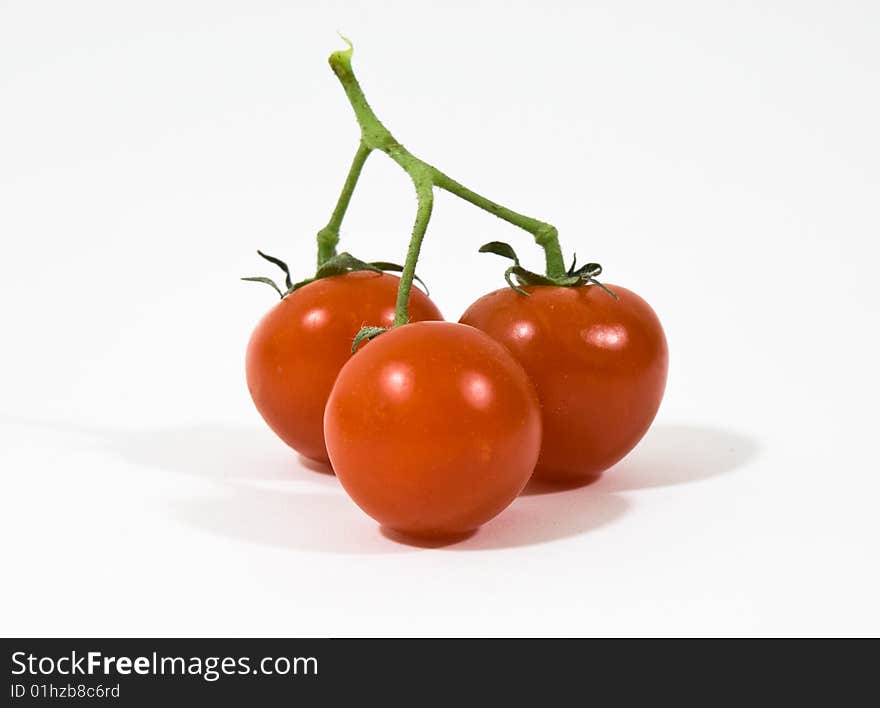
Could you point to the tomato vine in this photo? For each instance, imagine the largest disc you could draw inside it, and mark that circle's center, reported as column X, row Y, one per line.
column 425, row 177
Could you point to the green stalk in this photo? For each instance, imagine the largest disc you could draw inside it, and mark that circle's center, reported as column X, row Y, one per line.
column 545, row 235
column 375, row 136
column 328, row 237
column 423, row 215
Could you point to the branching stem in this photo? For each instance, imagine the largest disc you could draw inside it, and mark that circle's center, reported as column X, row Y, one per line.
column 375, row 136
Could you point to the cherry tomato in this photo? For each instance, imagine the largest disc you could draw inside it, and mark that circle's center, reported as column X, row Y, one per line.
column 298, row 348
column 433, row 429
column 598, row 364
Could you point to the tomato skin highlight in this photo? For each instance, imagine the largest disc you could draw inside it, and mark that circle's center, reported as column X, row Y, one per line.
column 599, row 366
column 300, row 345
column 433, row 429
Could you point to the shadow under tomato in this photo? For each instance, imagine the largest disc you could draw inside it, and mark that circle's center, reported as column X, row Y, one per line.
column 673, row 454
column 256, row 489
column 531, row 521
column 536, row 487
column 668, row 455
column 259, row 492
column 326, row 522
column 266, row 497
column 316, row 465
column 424, row 542
column 212, row 451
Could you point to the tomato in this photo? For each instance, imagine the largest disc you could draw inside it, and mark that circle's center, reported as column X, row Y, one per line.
column 598, row 364
column 433, row 429
column 298, row 348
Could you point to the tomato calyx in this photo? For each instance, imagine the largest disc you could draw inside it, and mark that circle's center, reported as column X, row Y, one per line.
column 366, row 333
column 338, row 264
column 574, row 277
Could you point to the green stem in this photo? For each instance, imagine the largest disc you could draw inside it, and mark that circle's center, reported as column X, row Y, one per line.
column 375, row 136
column 545, row 234
column 328, row 237
column 425, row 194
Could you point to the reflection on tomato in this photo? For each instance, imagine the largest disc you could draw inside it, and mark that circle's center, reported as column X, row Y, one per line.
column 298, row 348
column 433, row 428
column 598, row 364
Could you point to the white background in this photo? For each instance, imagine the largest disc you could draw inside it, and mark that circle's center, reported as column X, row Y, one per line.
column 720, row 158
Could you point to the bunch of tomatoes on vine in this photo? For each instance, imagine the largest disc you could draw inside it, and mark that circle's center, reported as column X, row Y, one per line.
column 435, row 427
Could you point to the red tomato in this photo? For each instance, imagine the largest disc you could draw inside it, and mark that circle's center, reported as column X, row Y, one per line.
column 433, row 429
column 298, row 348
column 598, row 365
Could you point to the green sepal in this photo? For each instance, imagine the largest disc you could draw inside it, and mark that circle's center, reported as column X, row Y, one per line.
column 588, row 273
column 366, row 333
column 527, row 277
column 267, row 281
column 523, row 276
column 281, row 264
column 300, row 283
column 397, row 268
column 339, row 264
column 343, row 263
column 590, row 270
column 593, row 281
column 585, row 275
column 508, row 276
column 499, row 248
